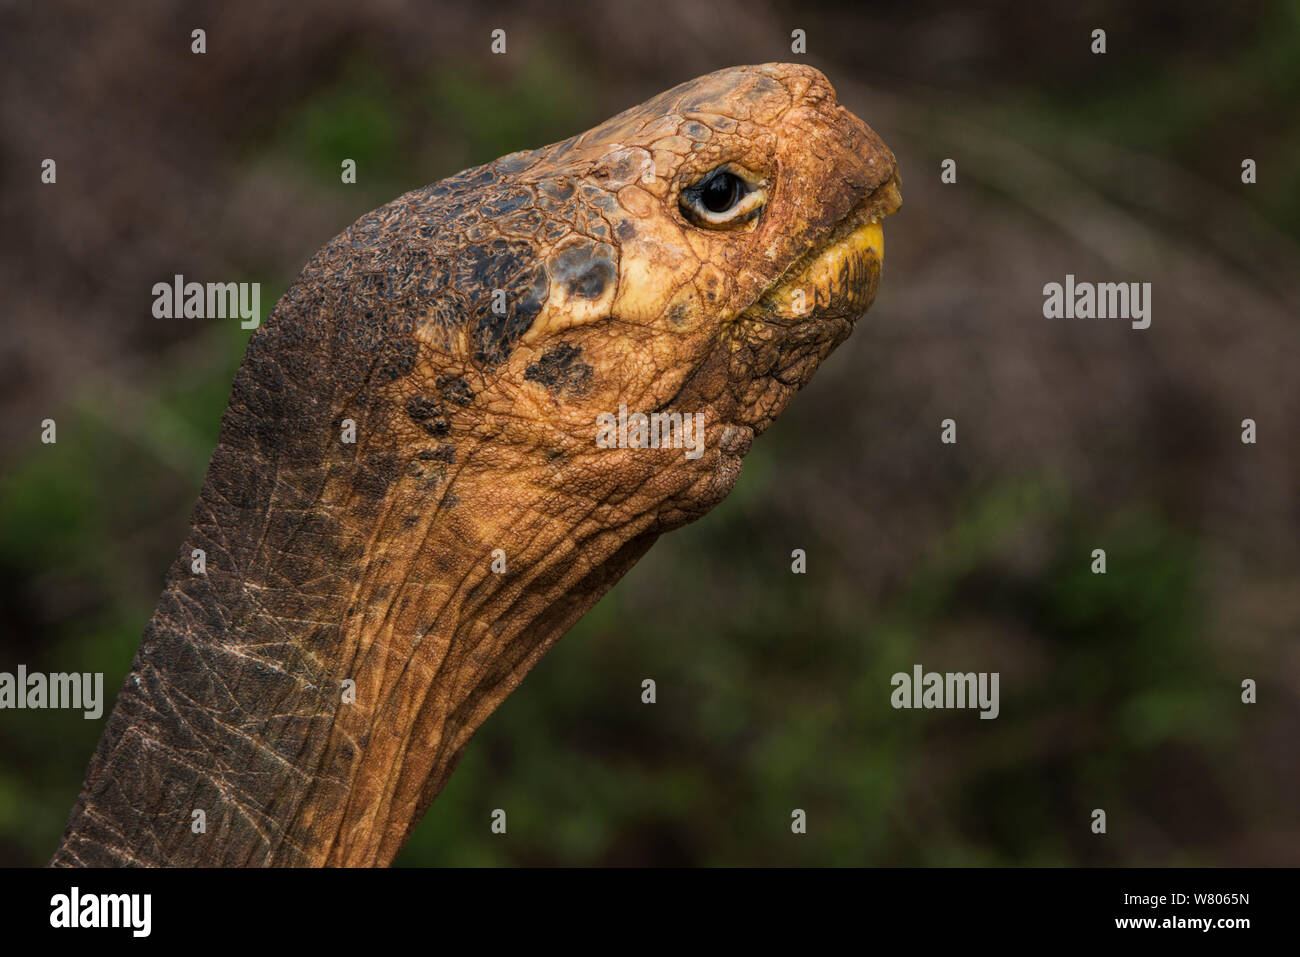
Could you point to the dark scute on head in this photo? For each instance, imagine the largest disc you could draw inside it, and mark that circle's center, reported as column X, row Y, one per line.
column 456, row 389
column 479, row 176
column 554, row 192
column 396, row 359
column 560, row 370
column 422, row 407
column 504, row 202
column 696, row 131
column 679, row 314
column 527, row 222
column 553, row 231
column 443, row 453
column 501, row 265
column 596, row 227
column 585, row 267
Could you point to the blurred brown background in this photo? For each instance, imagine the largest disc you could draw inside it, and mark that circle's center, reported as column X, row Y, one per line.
column 1118, row 691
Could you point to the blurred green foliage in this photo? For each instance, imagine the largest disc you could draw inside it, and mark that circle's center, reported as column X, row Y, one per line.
column 1143, row 102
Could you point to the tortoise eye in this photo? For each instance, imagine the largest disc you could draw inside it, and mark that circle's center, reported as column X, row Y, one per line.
column 721, row 192
column 723, row 198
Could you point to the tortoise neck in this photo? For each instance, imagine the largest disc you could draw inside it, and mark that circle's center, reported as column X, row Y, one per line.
column 302, row 698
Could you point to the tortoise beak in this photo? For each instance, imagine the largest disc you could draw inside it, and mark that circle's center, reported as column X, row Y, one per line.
column 838, row 277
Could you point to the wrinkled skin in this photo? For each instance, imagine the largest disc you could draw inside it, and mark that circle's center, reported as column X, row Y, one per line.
column 371, row 562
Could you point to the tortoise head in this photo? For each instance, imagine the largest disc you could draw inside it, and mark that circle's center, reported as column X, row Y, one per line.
column 718, row 242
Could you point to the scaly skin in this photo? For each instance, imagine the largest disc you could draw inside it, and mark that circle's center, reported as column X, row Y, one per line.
column 475, row 431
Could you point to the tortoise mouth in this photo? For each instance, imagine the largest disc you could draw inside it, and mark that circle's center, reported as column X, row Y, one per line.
column 838, row 277
column 812, row 308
